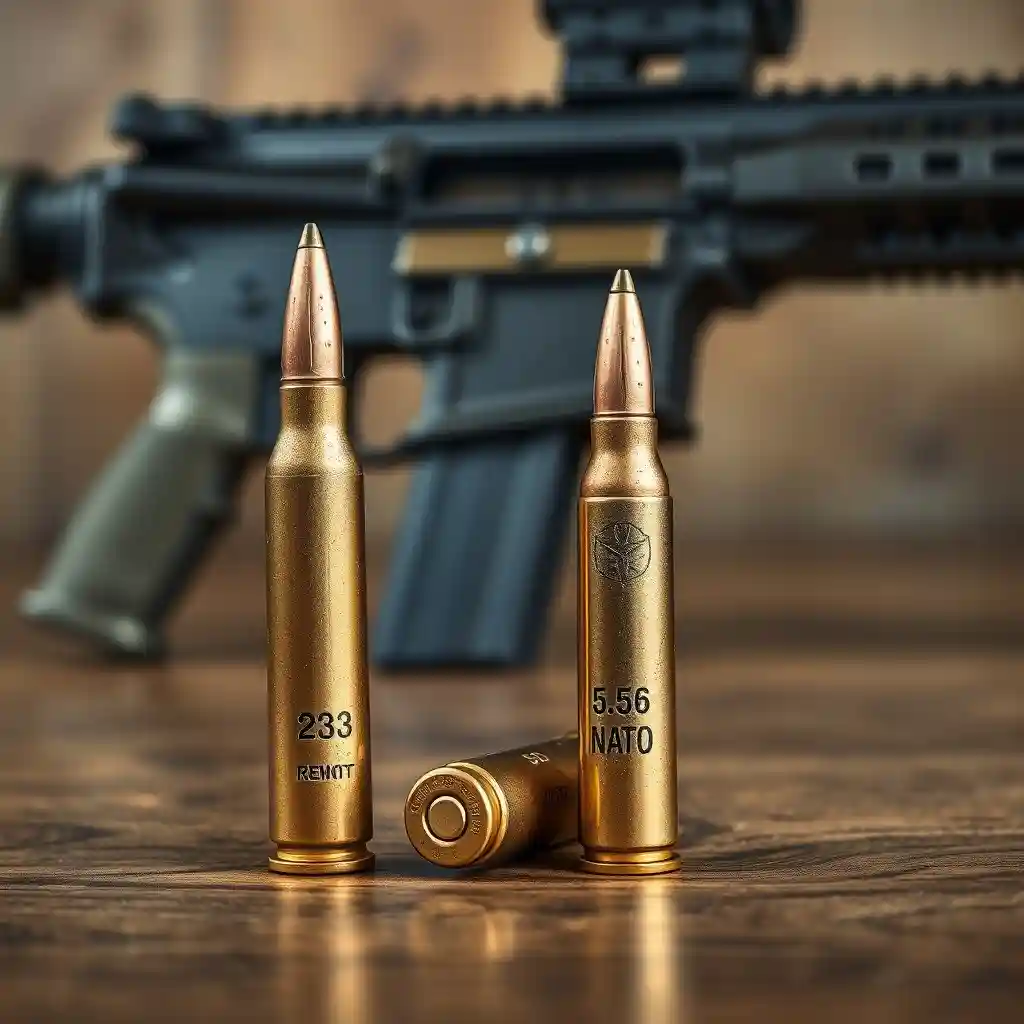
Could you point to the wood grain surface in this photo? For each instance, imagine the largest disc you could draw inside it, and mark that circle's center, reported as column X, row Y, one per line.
column 852, row 806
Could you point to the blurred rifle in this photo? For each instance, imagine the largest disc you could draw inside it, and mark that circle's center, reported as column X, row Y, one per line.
column 481, row 240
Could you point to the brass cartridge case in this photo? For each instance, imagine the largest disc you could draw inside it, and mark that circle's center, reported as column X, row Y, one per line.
column 320, row 786
column 494, row 809
column 626, row 658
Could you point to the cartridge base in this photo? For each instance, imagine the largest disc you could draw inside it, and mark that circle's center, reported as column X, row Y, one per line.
column 313, row 860
column 656, row 862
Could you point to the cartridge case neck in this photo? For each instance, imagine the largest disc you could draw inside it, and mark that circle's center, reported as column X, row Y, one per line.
column 313, row 405
column 624, row 460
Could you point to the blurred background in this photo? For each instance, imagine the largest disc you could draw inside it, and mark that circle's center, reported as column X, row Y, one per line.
column 868, row 415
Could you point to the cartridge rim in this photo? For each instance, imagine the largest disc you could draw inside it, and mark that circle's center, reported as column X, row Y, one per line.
column 640, row 863
column 309, row 860
column 459, row 796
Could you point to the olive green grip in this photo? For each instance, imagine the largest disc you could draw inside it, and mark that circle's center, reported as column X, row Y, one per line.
column 135, row 541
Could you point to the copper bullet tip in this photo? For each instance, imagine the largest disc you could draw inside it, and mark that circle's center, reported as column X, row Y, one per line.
column 623, row 380
column 311, row 347
column 623, row 282
column 311, row 238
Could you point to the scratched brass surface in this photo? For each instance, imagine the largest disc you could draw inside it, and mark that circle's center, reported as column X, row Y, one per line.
column 626, row 669
column 852, row 809
column 317, row 675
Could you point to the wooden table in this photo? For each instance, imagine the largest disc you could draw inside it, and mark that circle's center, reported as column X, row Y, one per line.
column 852, row 770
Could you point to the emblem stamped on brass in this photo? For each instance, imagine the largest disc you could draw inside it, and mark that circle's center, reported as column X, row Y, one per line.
column 622, row 552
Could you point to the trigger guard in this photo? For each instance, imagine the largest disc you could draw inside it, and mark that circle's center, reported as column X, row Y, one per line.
column 465, row 308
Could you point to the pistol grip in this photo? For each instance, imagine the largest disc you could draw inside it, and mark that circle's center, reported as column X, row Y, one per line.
column 477, row 554
column 150, row 518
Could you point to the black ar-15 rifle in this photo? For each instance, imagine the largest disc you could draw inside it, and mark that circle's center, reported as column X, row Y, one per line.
column 482, row 240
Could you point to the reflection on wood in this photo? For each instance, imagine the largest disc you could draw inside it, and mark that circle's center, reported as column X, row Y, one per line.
column 853, row 821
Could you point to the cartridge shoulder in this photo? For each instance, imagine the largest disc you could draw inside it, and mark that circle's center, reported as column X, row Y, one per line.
column 313, row 453
column 634, row 473
column 624, row 459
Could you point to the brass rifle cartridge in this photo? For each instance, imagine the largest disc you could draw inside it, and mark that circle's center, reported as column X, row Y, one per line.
column 321, row 815
column 626, row 657
column 493, row 809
